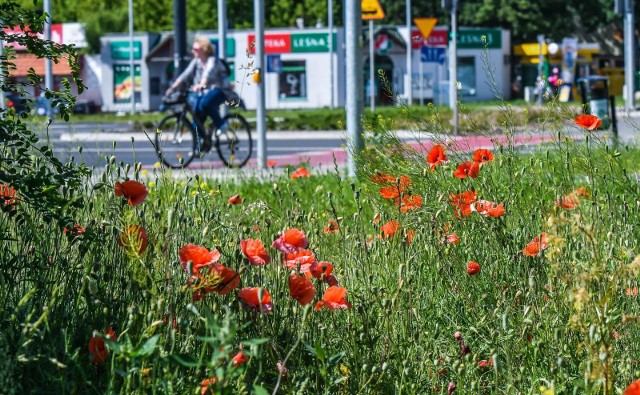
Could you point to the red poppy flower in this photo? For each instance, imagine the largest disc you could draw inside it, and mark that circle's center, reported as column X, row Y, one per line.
column 320, row 270
column 97, row 347
column 389, row 229
column 536, row 245
column 272, row 163
column 467, row 169
column 255, row 252
column 219, row 279
column 76, row 230
column 235, row 199
column 633, row 388
column 489, row 209
column 473, row 268
column 410, row 202
column 301, row 172
column 303, row 258
column 462, row 203
column 382, row 178
column 256, row 298
column 334, row 298
column 199, row 256
column 7, row 194
column 436, row 156
column 290, row 241
column 567, row 202
column 482, row 155
column 132, row 190
column 452, row 238
column 390, row 192
column 207, row 385
column 301, row 289
column 134, row 240
column 410, row 235
column 631, row 291
column 587, row 121
column 332, row 227
column 239, row 359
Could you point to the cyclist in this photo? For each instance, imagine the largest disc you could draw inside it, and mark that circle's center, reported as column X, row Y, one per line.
column 208, row 75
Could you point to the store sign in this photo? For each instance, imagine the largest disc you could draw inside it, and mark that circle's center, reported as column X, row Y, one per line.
column 293, row 43
column 122, row 86
column 120, row 50
column 61, row 33
column 438, row 38
column 477, row 39
column 292, row 81
column 311, row 42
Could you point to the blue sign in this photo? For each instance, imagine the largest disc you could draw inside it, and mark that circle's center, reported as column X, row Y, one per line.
column 433, row 54
column 274, row 64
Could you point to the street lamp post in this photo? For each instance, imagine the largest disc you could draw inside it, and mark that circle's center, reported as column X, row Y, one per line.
column 540, row 64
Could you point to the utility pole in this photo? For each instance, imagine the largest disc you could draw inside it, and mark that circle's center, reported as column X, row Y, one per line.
column 179, row 35
column 222, row 29
column 452, row 6
column 353, row 24
column 48, row 65
column 261, row 123
column 409, row 92
column 629, row 55
column 540, row 67
column 330, row 42
column 132, row 75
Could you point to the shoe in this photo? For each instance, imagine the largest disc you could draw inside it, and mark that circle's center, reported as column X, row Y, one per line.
column 222, row 128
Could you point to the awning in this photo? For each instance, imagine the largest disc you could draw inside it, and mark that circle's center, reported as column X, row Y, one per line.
column 25, row 61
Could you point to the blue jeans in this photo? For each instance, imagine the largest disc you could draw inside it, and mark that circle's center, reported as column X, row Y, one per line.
column 208, row 106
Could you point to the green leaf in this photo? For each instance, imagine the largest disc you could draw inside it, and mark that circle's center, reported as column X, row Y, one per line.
column 185, row 360
column 259, row 390
column 148, row 347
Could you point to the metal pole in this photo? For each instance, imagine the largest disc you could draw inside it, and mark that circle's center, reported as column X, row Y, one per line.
column 261, row 123
column 629, row 64
column 409, row 92
column 540, row 67
column 222, row 29
column 353, row 12
column 48, row 65
column 222, row 39
column 131, row 65
column 453, row 66
column 330, row 42
column 179, row 35
column 421, row 81
column 372, row 95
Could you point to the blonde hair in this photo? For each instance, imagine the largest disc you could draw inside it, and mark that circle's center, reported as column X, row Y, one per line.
column 205, row 45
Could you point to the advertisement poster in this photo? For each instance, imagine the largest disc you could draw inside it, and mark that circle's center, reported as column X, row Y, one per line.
column 293, row 80
column 569, row 58
column 122, row 83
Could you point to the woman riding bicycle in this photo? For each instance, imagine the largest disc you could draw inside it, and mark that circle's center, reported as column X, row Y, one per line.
column 208, row 75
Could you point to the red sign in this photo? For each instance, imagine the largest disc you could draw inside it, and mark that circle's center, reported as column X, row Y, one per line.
column 273, row 43
column 438, row 38
column 416, row 39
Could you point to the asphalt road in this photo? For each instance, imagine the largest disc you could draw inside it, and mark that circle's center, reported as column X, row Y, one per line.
column 98, row 142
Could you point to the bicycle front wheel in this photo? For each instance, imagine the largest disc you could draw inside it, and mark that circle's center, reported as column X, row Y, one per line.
column 176, row 141
column 234, row 144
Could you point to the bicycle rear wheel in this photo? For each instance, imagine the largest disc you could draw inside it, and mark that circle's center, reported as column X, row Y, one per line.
column 176, row 141
column 234, row 144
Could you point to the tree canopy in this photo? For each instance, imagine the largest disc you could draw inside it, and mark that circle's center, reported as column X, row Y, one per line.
column 526, row 19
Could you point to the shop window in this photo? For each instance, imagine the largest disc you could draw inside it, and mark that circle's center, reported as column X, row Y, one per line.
column 467, row 76
column 154, row 85
column 293, row 80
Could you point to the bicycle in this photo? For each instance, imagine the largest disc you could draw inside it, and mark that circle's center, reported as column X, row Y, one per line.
column 178, row 143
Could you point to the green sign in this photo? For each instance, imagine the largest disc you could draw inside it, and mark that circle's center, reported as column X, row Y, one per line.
column 471, row 39
column 120, row 50
column 122, row 88
column 311, row 42
column 230, row 48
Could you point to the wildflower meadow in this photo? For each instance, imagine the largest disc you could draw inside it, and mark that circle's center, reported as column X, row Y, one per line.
column 441, row 268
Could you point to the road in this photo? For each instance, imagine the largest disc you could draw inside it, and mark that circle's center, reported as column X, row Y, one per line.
column 100, row 141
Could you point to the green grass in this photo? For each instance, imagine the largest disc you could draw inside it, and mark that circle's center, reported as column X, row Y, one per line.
column 485, row 115
column 544, row 321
